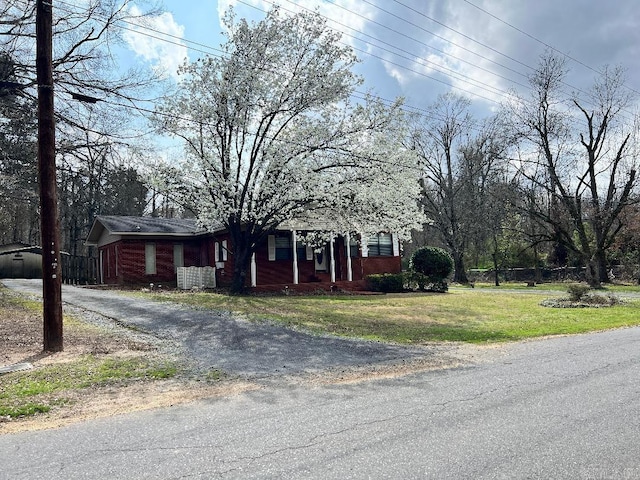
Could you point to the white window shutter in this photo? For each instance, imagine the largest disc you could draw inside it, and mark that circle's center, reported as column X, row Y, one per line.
column 363, row 246
column 149, row 258
column 396, row 245
column 271, row 245
column 224, row 250
column 309, row 252
column 216, row 251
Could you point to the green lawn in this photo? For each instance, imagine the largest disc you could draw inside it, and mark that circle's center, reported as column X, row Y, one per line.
column 26, row 393
column 467, row 315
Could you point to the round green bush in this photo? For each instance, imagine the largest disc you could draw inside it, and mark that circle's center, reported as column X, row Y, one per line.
column 432, row 262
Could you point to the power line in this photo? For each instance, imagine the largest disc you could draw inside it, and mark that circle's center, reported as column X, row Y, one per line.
column 589, row 95
column 406, row 51
column 551, row 47
column 477, row 84
column 453, row 30
column 484, row 87
column 413, row 109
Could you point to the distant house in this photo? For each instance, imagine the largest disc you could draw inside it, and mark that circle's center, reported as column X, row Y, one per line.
column 143, row 250
column 20, row 260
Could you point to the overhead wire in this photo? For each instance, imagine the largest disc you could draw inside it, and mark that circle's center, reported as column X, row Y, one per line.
column 424, row 44
column 206, row 49
column 362, row 95
column 533, row 37
column 566, row 84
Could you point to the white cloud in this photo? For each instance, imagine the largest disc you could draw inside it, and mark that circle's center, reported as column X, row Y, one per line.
column 164, row 52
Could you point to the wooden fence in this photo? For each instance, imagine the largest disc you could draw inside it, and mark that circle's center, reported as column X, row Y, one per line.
column 79, row 270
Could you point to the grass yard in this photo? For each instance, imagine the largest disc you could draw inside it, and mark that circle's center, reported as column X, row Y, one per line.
column 466, row 315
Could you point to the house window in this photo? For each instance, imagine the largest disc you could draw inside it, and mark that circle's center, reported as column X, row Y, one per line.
column 380, row 245
column 281, row 248
column 150, row 258
column 353, row 248
column 221, row 251
column 178, row 256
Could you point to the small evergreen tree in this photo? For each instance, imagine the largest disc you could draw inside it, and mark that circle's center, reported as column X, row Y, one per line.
column 430, row 266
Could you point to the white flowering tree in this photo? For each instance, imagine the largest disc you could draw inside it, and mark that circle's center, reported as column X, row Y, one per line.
column 271, row 135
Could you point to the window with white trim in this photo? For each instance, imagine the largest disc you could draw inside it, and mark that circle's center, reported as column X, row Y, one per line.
column 281, row 248
column 221, row 251
column 178, row 256
column 150, row 258
column 380, row 245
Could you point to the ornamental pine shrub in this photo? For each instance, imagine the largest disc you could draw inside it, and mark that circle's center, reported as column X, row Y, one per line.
column 577, row 291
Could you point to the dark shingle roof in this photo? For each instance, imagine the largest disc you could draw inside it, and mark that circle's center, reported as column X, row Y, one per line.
column 121, row 224
column 143, row 226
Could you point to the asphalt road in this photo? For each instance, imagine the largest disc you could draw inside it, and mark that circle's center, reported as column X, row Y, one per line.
column 565, row 407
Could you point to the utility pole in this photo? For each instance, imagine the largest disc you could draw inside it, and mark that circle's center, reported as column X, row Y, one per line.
column 49, row 224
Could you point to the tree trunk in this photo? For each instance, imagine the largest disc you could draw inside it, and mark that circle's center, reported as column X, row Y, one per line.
column 536, row 258
column 242, row 252
column 603, row 271
column 238, row 281
column 592, row 274
column 459, row 273
column 495, row 269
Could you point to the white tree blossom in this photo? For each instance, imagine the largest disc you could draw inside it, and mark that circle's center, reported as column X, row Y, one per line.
column 271, row 135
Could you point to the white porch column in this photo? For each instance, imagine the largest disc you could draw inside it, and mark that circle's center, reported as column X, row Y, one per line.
column 333, row 259
column 254, row 270
column 349, row 269
column 295, row 257
column 364, row 242
column 101, row 268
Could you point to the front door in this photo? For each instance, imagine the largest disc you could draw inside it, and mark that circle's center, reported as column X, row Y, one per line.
column 321, row 260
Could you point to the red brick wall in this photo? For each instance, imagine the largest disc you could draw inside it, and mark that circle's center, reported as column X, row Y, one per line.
column 371, row 265
column 131, row 261
column 201, row 252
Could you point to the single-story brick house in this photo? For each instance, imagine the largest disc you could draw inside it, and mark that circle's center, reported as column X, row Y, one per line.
column 143, row 250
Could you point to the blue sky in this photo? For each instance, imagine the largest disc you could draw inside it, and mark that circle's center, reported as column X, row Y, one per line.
column 420, row 48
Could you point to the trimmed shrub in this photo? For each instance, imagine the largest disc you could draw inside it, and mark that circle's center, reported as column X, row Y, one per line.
column 386, row 282
column 415, row 280
column 577, row 290
column 431, row 266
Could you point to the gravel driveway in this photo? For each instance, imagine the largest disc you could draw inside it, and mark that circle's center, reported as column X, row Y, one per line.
column 218, row 339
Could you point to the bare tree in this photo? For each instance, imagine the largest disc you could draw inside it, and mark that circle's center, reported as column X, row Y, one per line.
column 92, row 94
column 18, row 173
column 460, row 159
column 584, row 158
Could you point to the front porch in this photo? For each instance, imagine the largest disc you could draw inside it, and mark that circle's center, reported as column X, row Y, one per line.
column 313, row 287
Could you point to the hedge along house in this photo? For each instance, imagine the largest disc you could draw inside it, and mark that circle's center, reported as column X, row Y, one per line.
column 143, row 250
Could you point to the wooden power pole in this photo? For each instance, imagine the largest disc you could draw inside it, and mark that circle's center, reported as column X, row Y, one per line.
column 49, row 224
